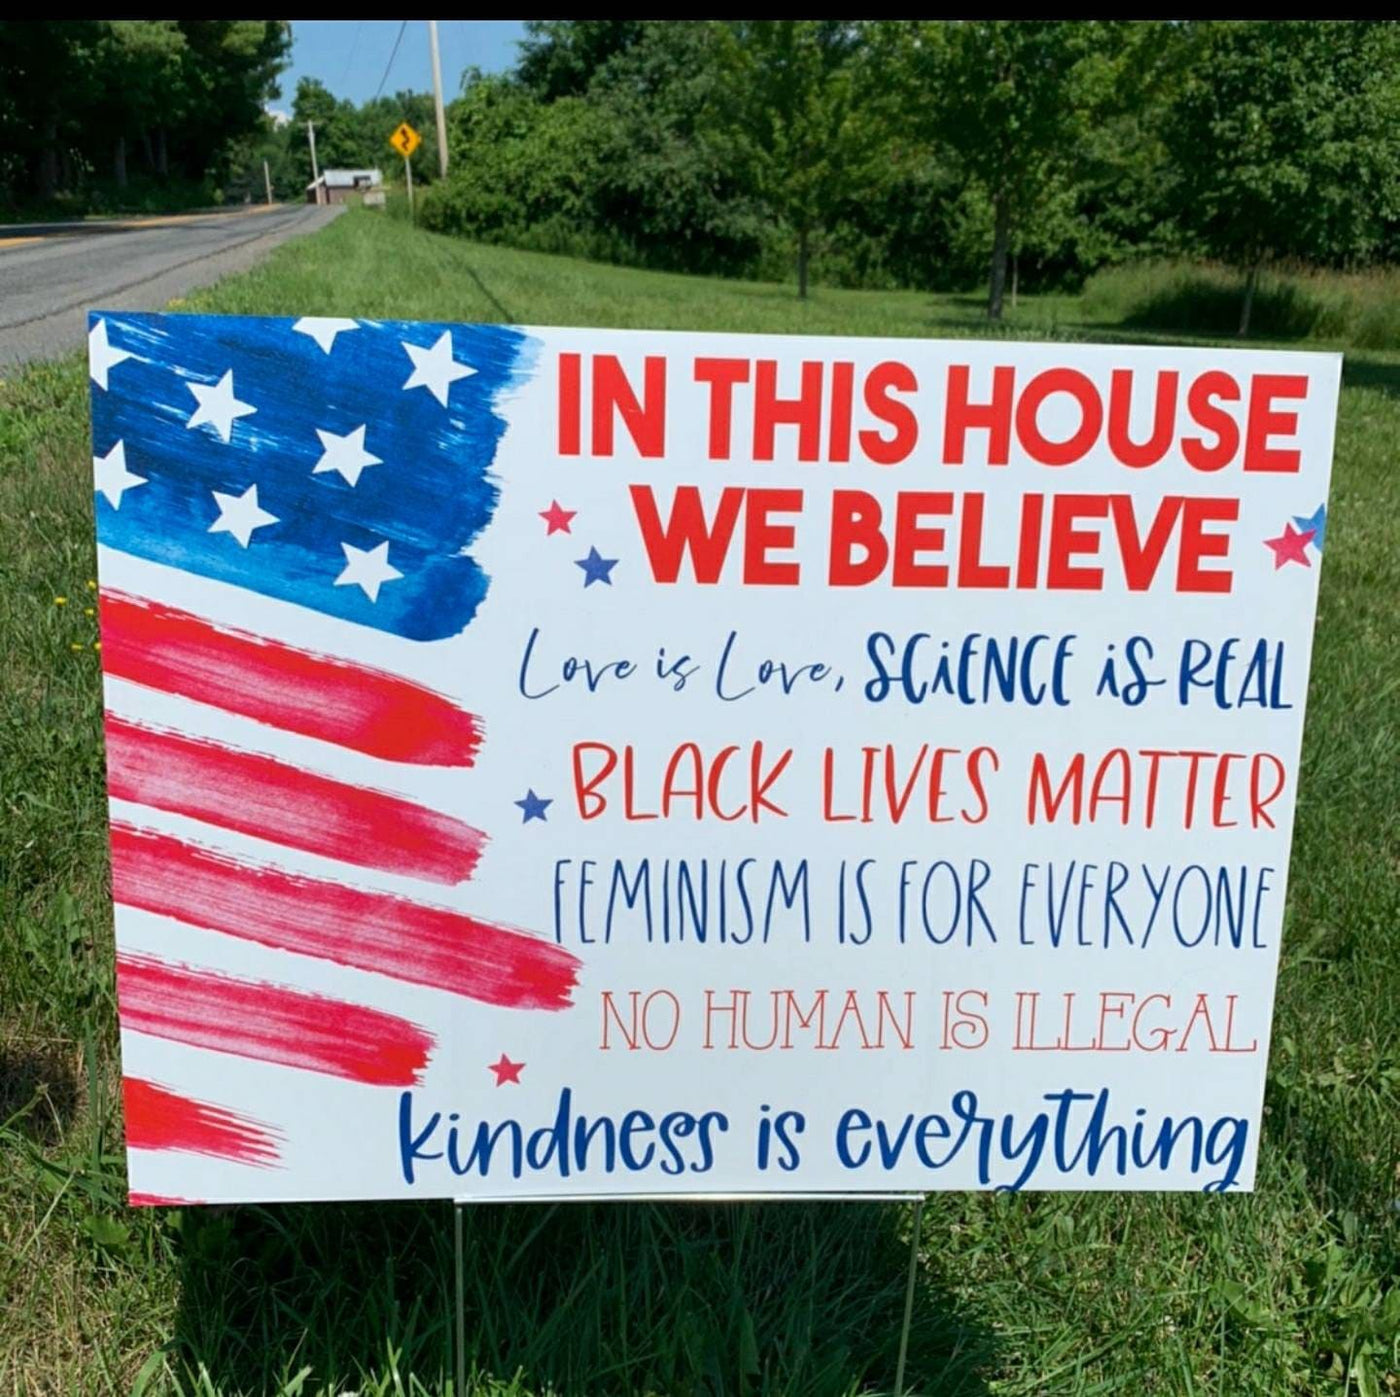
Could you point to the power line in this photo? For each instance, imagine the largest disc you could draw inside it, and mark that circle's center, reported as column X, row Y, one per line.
column 354, row 49
column 390, row 63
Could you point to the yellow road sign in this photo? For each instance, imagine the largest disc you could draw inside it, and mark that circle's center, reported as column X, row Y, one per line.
column 405, row 140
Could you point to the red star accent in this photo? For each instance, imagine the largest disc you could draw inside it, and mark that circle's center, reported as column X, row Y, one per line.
column 506, row 1070
column 1291, row 546
column 558, row 519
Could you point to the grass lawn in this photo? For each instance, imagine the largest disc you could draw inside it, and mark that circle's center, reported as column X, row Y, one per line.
column 1290, row 1290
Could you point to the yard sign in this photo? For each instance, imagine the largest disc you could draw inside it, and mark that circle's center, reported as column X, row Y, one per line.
column 562, row 762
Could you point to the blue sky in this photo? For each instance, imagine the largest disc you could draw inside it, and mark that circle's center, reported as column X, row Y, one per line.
column 350, row 55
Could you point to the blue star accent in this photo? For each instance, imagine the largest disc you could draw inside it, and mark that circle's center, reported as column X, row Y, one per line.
column 1317, row 523
column 534, row 807
column 596, row 568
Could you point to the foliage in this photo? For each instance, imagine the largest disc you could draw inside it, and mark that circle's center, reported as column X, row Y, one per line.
column 932, row 153
column 535, row 171
column 789, row 109
column 1013, row 100
column 1283, row 139
column 826, row 142
column 87, row 104
column 632, row 173
column 1025, row 154
column 561, row 57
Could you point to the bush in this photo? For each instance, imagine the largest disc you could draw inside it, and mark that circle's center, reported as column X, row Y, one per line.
column 575, row 177
column 1359, row 308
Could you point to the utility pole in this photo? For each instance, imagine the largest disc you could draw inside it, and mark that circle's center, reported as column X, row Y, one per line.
column 315, row 173
column 437, row 99
column 267, row 182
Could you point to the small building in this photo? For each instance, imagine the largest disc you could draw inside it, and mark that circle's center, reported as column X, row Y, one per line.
column 343, row 186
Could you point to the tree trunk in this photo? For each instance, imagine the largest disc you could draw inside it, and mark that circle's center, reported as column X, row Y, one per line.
column 1001, row 243
column 119, row 162
column 148, row 150
column 1251, row 284
column 1015, row 276
column 803, row 258
column 162, row 159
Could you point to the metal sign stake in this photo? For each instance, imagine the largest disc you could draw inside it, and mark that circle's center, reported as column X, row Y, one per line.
column 460, row 1346
column 406, row 140
column 909, row 1297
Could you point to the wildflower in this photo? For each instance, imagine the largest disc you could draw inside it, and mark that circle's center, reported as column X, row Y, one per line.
column 88, row 611
column 97, row 645
column 73, row 645
column 60, row 601
column 92, row 584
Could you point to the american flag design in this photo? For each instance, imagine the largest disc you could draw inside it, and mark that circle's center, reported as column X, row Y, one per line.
column 326, row 477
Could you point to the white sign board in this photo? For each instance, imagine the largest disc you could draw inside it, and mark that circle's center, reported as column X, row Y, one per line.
column 559, row 762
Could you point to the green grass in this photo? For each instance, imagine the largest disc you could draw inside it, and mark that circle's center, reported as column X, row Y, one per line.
column 1290, row 1290
column 1360, row 310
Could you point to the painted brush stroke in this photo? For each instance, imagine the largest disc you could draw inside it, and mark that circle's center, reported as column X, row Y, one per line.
column 349, row 926
column 367, row 710
column 269, row 1023
column 271, row 800
column 427, row 497
column 160, row 1119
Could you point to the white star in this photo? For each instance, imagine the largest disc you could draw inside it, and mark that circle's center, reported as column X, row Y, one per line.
column 345, row 454
column 435, row 369
column 111, row 477
column 323, row 328
column 367, row 568
column 103, row 354
column 239, row 515
column 217, row 406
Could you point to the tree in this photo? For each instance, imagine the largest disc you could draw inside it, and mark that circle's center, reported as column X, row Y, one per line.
column 561, row 57
column 142, row 63
column 1012, row 99
column 227, row 77
column 631, row 168
column 338, row 138
column 673, row 183
column 48, row 78
column 77, row 95
column 789, row 104
column 1123, row 164
column 1285, row 141
column 523, row 171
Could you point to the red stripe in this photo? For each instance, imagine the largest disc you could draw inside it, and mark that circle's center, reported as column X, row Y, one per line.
column 350, row 926
column 270, row 1023
column 159, row 1200
column 159, row 1119
column 365, row 709
column 260, row 796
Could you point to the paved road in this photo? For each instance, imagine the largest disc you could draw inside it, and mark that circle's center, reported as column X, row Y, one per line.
column 51, row 275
